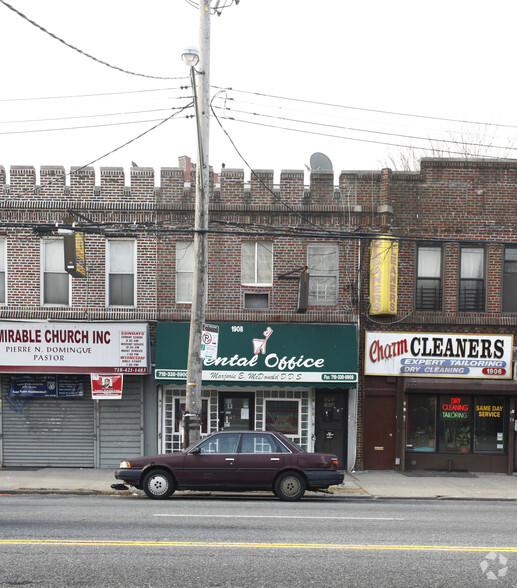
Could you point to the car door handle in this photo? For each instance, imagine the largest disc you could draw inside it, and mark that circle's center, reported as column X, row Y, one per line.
column 229, row 458
column 275, row 459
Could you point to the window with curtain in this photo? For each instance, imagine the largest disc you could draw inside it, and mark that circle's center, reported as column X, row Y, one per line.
column 322, row 261
column 184, row 271
column 510, row 280
column 55, row 280
column 121, row 272
column 472, row 279
column 429, row 278
column 3, row 268
column 257, row 263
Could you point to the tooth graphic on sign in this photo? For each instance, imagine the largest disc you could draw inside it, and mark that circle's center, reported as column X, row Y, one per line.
column 259, row 345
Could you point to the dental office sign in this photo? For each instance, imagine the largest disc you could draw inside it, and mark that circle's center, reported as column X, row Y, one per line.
column 264, row 354
column 462, row 355
column 74, row 348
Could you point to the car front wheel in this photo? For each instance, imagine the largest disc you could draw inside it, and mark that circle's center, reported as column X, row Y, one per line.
column 158, row 484
column 290, row 486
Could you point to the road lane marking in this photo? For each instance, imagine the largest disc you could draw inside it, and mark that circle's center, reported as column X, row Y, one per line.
column 337, row 546
column 278, row 517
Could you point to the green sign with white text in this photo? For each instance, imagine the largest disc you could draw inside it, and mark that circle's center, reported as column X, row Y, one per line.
column 264, row 354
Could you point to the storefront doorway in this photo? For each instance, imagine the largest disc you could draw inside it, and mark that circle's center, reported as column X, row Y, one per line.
column 379, row 432
column 237, row 411
column 330, row 423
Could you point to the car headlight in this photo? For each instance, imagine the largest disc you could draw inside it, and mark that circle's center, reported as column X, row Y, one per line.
column 125, row 464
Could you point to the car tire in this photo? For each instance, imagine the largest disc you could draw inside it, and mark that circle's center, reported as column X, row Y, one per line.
column 290, row 486
column 158, row 484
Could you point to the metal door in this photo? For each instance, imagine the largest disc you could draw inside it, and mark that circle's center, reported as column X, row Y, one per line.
column 331, row 419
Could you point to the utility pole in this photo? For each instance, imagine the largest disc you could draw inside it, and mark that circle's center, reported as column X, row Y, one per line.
column 192, row 416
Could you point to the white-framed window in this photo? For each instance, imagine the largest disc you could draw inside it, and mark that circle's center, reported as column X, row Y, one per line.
column 257, row 263
column 429, row 278
column 323, row 263
column 3, row 270
column 283, row 416
column 184, row 271
column 121, row 272
column 55, row 281
column 472, row 279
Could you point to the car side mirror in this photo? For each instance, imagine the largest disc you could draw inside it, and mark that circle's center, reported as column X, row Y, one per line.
column 196, row 450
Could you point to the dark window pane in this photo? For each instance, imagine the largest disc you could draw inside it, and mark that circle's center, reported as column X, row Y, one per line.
column 472, row 296
column 489, row 419
column 428, row 294
column 421, row 423
column 121, row 290
column 510, row 293
column 455, row 424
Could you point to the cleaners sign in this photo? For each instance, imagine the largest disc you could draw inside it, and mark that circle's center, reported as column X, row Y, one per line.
column 439, row 355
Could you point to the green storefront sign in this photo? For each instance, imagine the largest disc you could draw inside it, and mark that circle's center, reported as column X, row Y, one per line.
column 264, row 354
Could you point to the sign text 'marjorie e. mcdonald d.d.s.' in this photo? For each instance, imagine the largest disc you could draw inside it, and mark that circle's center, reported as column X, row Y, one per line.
column 264, row 354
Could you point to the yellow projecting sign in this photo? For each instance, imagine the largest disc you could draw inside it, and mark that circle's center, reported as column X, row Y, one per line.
column 384, row 254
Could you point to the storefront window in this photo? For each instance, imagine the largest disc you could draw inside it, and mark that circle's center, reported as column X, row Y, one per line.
column 421, row 423
column 489, row 424
column 179, row 409
column 465, row 423
column 455, row 424
column 283, row 416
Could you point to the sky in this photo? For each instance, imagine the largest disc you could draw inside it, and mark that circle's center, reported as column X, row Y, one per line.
column 365, row 83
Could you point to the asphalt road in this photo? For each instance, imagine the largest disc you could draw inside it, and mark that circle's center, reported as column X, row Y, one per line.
column 69, row 541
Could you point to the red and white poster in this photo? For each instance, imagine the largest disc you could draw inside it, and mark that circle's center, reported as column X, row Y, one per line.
column 107, row 386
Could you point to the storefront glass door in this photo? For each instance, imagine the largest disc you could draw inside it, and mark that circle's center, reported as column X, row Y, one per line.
column 237, row 411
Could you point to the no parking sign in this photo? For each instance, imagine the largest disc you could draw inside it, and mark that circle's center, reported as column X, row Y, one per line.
column 209, row 341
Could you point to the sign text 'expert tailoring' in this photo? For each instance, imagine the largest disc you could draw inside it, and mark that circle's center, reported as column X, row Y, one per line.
column 74, row 348
column 450, row 355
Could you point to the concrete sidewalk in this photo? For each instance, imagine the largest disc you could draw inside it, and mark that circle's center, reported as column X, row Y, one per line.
column 370, row 484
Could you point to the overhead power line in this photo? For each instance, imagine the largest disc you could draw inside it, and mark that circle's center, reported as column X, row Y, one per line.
column 364, row 109
column 360, row 130
column 70, row 46
column 347, row 138
column 34, row 98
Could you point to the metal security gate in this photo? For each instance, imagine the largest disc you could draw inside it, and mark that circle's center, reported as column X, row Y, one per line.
column 120, row 424
column 43, row 432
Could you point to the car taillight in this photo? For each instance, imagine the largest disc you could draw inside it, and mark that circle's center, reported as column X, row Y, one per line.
column 335, row 463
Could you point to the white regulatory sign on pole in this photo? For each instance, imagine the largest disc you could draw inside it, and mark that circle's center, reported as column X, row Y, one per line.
column 209, row 341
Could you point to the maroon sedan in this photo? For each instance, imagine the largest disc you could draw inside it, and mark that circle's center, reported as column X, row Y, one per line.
column 230, row 460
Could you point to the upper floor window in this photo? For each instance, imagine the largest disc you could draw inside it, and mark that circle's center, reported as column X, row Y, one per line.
column 429, row 278
column 3, row 268
column 184, row 270
column 55, row 280
column 472, row 279
column 322, row 261
column 510, row 280
column 121, row 264
column 257, row 263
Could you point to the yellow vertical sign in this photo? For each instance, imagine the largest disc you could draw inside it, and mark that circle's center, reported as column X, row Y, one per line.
column 384, row 254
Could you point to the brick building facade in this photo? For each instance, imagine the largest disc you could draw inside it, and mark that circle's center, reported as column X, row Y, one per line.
column 300, row 370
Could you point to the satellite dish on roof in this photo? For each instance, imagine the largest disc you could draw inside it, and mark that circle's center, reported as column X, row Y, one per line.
column 319, row 161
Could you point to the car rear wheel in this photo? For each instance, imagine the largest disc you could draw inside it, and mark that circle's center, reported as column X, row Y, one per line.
column 290, row 486
column 158, row 484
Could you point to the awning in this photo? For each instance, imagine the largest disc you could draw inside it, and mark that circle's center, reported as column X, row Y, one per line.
column 264, row 354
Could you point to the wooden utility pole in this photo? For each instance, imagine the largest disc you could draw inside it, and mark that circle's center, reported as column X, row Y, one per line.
column 192, row 416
